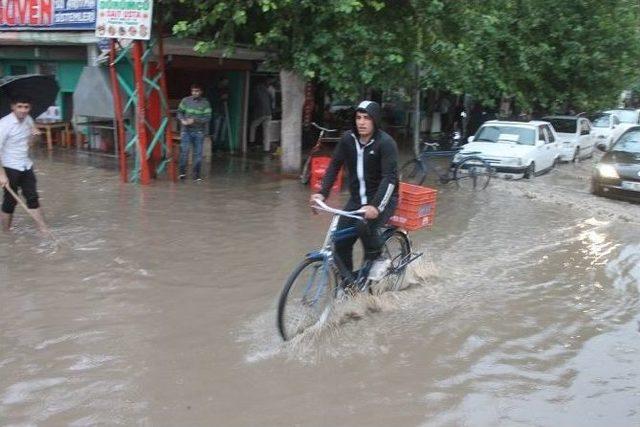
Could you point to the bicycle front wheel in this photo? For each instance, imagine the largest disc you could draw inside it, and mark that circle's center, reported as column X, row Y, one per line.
column 413, row 172
column 473, row 173
column 307, row 298
column 397, row 250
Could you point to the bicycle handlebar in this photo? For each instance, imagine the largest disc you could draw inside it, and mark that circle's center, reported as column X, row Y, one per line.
column 431, row 144
column 317, row 126
column 350, row 214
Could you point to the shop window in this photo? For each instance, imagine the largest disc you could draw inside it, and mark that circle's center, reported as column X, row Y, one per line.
column 16, row 70
column 47, row 68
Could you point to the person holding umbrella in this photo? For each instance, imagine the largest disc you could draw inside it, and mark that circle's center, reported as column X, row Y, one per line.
column 17, row 131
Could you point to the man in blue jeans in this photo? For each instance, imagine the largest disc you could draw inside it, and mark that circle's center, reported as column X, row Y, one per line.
column 194, row 112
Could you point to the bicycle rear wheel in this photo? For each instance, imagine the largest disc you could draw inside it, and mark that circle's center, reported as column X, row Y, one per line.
column 307, row 298
column 397, row 249
column 413, row 172
column 473, row 173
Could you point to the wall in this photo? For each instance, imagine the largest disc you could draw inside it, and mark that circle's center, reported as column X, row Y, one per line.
column 67, row 73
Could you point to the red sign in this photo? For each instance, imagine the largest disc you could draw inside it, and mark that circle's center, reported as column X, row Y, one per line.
column 22, row 13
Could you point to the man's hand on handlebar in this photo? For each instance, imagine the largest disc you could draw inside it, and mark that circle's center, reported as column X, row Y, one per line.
column 312, row 201
column 370, row 212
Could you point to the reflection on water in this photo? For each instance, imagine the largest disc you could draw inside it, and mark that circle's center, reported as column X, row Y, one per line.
column 160, row 302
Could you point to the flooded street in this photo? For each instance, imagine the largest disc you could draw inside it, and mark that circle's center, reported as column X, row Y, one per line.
column 156, row 306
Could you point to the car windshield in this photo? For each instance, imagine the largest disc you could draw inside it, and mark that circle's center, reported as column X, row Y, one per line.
column 601, row 121
column 564, row 125
column 629, row 142
column 626, row 116
column 505, row 133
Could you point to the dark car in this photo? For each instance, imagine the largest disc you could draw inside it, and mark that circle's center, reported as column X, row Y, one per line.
column 618, row 172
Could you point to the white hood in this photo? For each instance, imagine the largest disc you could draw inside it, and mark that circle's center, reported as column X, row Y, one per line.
column 567, row 136
column 498, row 149
column 601, row 131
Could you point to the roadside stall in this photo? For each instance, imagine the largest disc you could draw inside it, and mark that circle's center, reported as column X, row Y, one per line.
column 94, row 113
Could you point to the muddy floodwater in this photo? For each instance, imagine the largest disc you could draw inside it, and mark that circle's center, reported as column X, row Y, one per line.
column 156, row 307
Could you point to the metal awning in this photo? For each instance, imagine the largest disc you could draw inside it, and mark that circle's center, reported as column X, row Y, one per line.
column 93, row 96
column 184, row 47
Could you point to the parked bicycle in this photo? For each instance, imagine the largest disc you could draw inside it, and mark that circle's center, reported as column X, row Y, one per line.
column 468, row 171
column 313, row 286
column 319, row 146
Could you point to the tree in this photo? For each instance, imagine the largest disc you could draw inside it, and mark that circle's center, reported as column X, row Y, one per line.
column 330, row 40
column 548, row 53
column 545, row 54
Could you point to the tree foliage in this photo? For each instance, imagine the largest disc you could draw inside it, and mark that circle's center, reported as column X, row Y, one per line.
column 544, row 53
column 344, row 43
column 548, row 53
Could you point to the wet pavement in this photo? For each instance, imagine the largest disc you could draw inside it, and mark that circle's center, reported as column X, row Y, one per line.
column 156, row 306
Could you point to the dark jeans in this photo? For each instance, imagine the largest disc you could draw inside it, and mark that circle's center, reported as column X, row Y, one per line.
column 188, row 138
column 26, row 181
column 369, row 232
column 219, row 134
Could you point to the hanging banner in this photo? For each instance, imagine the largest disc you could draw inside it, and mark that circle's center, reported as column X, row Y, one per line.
column 124, row 19
column 44, row 15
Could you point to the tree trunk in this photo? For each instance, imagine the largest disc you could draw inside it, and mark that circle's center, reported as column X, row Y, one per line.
column 292, row 86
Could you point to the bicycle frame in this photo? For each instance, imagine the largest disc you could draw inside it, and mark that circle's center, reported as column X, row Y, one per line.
column 334, row 235
column 326, row 252
column 427, row 155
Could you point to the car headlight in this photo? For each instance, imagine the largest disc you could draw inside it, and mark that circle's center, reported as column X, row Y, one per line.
column 608, row 171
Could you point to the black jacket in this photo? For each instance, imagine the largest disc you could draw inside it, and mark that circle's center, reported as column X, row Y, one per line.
column 377, row 180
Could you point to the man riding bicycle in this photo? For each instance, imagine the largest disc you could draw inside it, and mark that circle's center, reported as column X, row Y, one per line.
column 370, row 156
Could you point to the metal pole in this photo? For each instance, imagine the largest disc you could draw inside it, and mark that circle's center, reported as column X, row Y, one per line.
column 141, row 130
column 117, row 101
column 168, row 131
column 416, row 109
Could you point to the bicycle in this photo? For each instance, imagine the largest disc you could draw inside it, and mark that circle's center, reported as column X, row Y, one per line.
column 313, row 286
column 305, row 175
column 468, row 171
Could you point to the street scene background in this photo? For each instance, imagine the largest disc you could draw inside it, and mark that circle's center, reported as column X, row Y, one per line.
column 156, row 306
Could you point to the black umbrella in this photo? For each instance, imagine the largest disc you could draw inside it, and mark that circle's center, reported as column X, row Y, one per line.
column 41, row 90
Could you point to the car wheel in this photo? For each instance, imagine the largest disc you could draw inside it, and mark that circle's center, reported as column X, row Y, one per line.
column 530, row 172
column 595, row 188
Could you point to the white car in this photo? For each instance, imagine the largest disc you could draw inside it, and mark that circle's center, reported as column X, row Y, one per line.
column 607, row 127
column 576, row 140
column 515, row 149
column 626, row 115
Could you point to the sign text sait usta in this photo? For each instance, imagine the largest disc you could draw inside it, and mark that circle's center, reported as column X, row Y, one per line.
column 124, row 19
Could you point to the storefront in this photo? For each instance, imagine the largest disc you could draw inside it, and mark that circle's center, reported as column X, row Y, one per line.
column 58, row 38
column 55, row 38
column 226, row 82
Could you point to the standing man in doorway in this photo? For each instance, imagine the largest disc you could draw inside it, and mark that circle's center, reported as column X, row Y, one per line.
column 371, row 158
column 220, row 102
column 261, row 113
column 17, row 131
column 194, row 113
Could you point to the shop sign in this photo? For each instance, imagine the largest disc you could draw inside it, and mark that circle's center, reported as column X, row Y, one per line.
column 44, row 15
column 124, row 19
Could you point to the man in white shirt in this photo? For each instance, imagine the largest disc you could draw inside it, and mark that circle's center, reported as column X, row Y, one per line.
column 17, row 130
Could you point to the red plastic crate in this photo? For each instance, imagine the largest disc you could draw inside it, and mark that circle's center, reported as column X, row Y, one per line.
column 319, row 167
column 416, row 207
